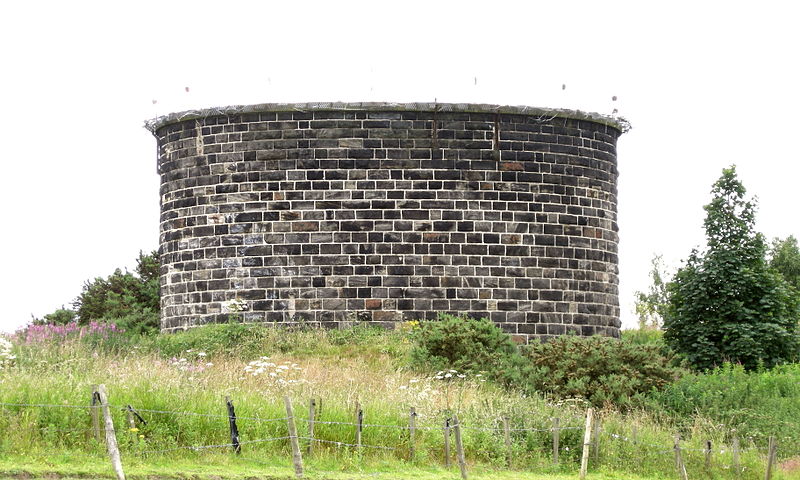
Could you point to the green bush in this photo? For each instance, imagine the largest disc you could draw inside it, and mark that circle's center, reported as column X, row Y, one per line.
column 468, row 345
column 600, row 370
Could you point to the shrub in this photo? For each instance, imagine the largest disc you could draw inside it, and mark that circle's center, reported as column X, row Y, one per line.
column 468, row 345
column 143, row 322
column 601, row 370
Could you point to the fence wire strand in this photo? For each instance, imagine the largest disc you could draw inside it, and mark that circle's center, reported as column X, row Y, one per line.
column 343, row 444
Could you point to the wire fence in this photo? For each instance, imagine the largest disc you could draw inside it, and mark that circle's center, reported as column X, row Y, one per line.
column 283, row 431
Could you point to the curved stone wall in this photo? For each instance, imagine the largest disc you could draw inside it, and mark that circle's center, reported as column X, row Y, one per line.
column 331, row 213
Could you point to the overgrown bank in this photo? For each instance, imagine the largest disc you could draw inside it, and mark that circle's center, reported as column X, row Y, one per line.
column 192, row 372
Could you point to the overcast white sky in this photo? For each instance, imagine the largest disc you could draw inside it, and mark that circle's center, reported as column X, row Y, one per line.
column 705, row 85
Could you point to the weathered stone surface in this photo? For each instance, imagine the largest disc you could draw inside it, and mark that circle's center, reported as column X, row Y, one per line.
column 334, row 213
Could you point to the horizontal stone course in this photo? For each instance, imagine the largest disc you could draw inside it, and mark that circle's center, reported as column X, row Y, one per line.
column 356, row 213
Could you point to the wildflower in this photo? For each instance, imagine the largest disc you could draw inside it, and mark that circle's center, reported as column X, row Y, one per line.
column 6, row 358
column 141, row 436
column 134, row 429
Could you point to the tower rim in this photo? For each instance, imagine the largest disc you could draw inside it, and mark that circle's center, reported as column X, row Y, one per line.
column 618, row 123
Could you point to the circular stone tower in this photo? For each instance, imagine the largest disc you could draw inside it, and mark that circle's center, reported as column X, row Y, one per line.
column 330, row 213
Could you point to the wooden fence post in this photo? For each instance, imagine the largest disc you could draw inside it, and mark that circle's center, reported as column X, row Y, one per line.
column 447, row 443
column 587, row 442
column 708, row 451
column 412, row 426
column 233, row 428
column 297, row 457
column 596, row 438
column 679, row 459
column 772, row 449
column 312, row 412
column 111, row 437
column 462, row 464
column 736, row 467
column 131, row 420
column 634, row 434
column 556, row 439
column 359, row 425
column 94, row 409
column 507, row 438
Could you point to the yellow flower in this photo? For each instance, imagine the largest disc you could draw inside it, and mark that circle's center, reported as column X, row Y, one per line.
column 134, row 429
column 141, row 436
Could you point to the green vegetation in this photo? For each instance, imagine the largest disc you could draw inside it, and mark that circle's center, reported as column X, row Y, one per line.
column 468, row 345
column 193, row 371
column 727, row 304
column 602, row 370
column 754, row 404
column 650, row 305
column 785, row 259
column 129, row 300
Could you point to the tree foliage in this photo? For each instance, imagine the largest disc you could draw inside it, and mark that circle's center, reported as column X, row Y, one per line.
column 785, row 258
column 131, row 300
column 726, row 304
column 650, row 305
column 61, row 316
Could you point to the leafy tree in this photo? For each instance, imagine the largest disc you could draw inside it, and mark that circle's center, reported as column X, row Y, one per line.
column 61, row 316
column 726, row 304
column 650, row 306
column 785, row 258
column 130, row 300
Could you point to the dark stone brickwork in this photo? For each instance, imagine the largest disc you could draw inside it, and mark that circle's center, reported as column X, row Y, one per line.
column 332, row 213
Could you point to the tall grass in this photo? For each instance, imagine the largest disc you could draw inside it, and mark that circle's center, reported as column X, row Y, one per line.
column 748, row 404
column 195, row 370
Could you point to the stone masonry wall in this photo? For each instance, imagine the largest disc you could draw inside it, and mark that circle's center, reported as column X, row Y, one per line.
column 333, row 213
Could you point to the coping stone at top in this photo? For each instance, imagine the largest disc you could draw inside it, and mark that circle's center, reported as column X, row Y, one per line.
column 617, row 123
